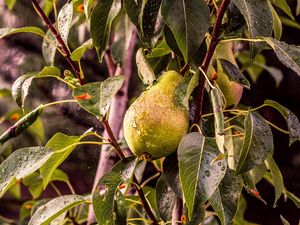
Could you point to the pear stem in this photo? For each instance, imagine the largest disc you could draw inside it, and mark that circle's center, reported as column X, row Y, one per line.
column 212, row 47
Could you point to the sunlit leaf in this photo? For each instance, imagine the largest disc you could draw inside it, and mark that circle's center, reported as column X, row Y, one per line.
column 144, row 68
column 96, row 97
column 64, row 21
column 9, row 31
column 21, row 163
column 57, row 206
column 49, row 48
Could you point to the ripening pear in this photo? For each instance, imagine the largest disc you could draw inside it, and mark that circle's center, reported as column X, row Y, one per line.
column 231, row 90
column 154, row 124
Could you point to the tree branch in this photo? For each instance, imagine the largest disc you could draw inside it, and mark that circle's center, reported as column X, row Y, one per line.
column 61, row 44
column 212, row 47
column 177, row 212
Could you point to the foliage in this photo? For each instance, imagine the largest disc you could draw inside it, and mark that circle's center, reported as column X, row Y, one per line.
column 226, row 150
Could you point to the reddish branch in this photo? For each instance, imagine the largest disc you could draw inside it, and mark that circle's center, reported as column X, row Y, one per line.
column 212, row 47
column 61, row 44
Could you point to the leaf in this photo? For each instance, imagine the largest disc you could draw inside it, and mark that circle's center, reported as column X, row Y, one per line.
column 282, row 4
column 250, row 186
column 258, row 143
column 105, row 198
column 21, row 163
column 294, row 198
column 165, row 198
column 144, row 68
column 288, row 55
column 199, row 179
column 96, row 97
column 20, row 87
column 298, row 8
column 198, row 215
column 276, row 177
column 78, row 53
column 171, row 170
column 234, row 74
column 159, row 51
column 276, row 73
column 226, row 197
column 10, row 3
column 102, row 16
column 57, row 206
column 26, row 209
column 145, row 15
column 189, row 22
column 291, row 120
column 49, row 48
column 4, row 92
column 277, row 25
column 259, row 20
column 9, row 31
column 58, row 143
column 217, row 106
column 21, row 125
column 185, row 88
column 64, row 21
column 284, row 221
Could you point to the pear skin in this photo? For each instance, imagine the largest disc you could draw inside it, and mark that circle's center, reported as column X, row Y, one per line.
column 154, row 124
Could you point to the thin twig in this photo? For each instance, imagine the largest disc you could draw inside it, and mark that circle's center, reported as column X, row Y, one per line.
column 61, row 44
column 212, row 47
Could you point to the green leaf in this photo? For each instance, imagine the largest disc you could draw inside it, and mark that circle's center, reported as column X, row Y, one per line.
column 58, row 143
column 64, row 21
column 171, row 170
column 239, row 217
column 258, row 143
column 234, row 74
column 102, row 16
column 36, row 130
column 21, row 163
column 294, row 198
column 250, row 186
column 199, row 179
column 259, row 20
column 145, row 15
column 185, row 88
column 10, row 3
column 159, row 51
column 15, row 191
column 87, row 6
column 57, row 206
column 198, row 215
column 288, row 55
column 226, row 197
column 189, row 22
column 282, row 4
column 276, row 177
column 9, row 31
column 49, row 48
column 145, row 70
column 96, row 97
column 277, row 25
column 284, row 221
column 4, row 92
column 107, row 197
column 165, row 198
column 290, row 23
column 21, row 125
column 291, row 120
column 26, row 209
column 20, row 87
column 217, row 106
column 78, row 53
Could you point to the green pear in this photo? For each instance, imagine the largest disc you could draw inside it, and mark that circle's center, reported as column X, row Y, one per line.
column 154, row 124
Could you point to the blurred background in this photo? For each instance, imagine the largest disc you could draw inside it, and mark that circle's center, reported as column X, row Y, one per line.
column 22, row 53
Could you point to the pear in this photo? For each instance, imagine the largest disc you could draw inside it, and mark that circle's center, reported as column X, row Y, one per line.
column 154, row 124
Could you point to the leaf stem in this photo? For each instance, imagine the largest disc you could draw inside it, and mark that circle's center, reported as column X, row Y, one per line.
column 61, row 44
column 59, row 102
column 213, row 44
column 277, row 128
